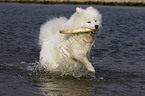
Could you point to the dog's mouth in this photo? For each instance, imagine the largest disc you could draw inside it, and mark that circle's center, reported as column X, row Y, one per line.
column 94, row 31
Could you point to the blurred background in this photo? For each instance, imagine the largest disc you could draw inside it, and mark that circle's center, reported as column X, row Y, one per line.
column 98, row 2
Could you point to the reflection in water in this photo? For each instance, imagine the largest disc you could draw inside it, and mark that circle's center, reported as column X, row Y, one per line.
column 66, row 87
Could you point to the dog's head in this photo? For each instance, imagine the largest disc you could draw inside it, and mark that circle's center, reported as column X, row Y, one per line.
column 90, row 17
column 87, row 18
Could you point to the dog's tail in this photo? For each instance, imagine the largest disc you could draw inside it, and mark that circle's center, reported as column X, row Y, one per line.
column 50, row 29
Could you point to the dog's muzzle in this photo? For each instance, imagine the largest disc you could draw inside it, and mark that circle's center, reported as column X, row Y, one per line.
column 95, row 31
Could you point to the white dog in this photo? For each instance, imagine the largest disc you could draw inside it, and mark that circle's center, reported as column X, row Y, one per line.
column 69, row 53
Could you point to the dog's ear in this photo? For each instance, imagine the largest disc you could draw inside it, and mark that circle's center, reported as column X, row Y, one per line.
column 79, row 10
column 90, row 7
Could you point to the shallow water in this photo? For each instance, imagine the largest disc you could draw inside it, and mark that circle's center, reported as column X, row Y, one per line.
column 118, row 55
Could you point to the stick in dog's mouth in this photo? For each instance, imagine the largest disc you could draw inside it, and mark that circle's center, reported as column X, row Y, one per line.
column 84, row 30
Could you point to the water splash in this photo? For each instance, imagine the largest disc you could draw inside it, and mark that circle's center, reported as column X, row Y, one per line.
column 35, row 69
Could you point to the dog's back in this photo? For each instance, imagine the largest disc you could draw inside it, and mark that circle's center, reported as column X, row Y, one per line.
column 50, row 29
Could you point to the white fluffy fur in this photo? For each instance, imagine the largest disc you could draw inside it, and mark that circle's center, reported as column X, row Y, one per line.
column 68, row 53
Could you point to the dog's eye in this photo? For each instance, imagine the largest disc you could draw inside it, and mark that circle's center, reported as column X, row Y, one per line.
column 89, row 22
column 95, row 20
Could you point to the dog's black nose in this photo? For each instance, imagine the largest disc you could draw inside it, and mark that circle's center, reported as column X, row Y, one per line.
column 96, row 26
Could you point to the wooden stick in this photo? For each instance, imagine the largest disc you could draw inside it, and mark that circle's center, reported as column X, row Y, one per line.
column 76, row 31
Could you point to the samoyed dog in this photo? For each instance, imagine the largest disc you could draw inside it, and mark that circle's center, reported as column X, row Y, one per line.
column 69, row 53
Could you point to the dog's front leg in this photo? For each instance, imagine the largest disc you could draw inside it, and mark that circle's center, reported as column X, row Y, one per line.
column 88, row 65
